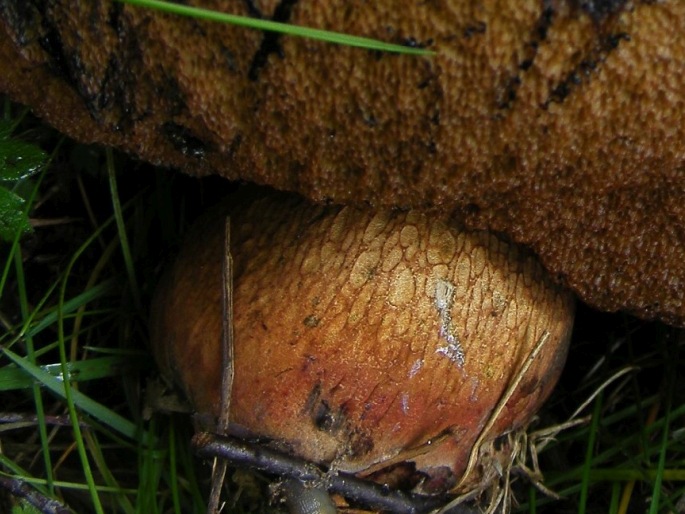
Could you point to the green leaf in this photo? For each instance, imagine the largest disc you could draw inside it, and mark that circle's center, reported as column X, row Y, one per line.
column 18, row 159
column 13, row 219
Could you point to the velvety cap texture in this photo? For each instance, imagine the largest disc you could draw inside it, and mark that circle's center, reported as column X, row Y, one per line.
column 558, row 123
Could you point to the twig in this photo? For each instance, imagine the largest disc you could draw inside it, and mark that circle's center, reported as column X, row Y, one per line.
column 219, row 470
column 44, row 504
column 485, row 432
column 14, row 420
column 50, row 222
column 360, row 492
column 602, row 387
column 227, row 334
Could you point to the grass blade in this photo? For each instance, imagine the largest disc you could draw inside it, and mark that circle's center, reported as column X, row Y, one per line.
column 587, row 466
column 71, row 306
column 663, row 447
column 121, row 229
column 79, row 371
column 98, row 411
column 273, row 26
column 37, row 394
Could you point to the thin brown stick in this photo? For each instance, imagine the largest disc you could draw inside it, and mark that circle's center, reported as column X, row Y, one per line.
column 485, row 432
column 20, row 489
column 482, row 439
column 15, row 420
column 356, row 490
column 219, row 468
column 227, row 334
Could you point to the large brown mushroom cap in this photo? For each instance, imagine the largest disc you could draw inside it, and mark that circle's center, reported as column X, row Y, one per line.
column 558, row 122
column 364, row 338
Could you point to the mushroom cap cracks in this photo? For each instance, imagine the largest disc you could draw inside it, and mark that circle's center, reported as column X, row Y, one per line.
column 365, row 339
column 557, row 122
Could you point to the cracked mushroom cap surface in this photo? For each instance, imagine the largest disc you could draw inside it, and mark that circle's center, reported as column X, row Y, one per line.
column 365, row 339
column 557, row 122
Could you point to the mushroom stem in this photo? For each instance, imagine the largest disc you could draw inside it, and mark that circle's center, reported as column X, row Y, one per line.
column 307, row 498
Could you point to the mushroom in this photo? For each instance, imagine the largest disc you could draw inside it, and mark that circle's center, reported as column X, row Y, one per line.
column 366, row 340
column 532, row 118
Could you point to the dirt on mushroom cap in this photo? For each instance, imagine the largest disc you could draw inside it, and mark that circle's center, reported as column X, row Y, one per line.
column 361, row 338
column 557, row 122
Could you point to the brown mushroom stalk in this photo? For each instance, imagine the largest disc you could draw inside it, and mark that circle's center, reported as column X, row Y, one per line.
column 302, row 498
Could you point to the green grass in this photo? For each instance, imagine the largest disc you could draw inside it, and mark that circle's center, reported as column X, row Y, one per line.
column 74, row 296
column 631, row 456
column 72, row 307
column 281, row 28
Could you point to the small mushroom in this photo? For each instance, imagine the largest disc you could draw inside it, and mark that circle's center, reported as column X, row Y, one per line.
column 365, row 340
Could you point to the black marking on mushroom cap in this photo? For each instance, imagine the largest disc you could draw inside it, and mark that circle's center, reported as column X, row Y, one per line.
column 583, row 71
column 312, row 398
column 68, row 64
column 183, row 140
column 252, row 9
column 438, row 480
column 311, row 321
column 116, row 92
column 115, row 20
column 108, row 88
column 506, row 93
column 477, row 28
column 229, row 58
column 118, row 89
column 111, row 93
column 602, row 12
column 128, row 71
column 412, row 42
column 369, row 119
column 543, row 23
column 599, row 10
column 270, row 40
column 359, row 444
column 424, row 83
column 323, row 417
column 21, row 18
column 612, row 41
column 336, row 421
column 61, row 63
column 171, row 92
column 326, row 418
